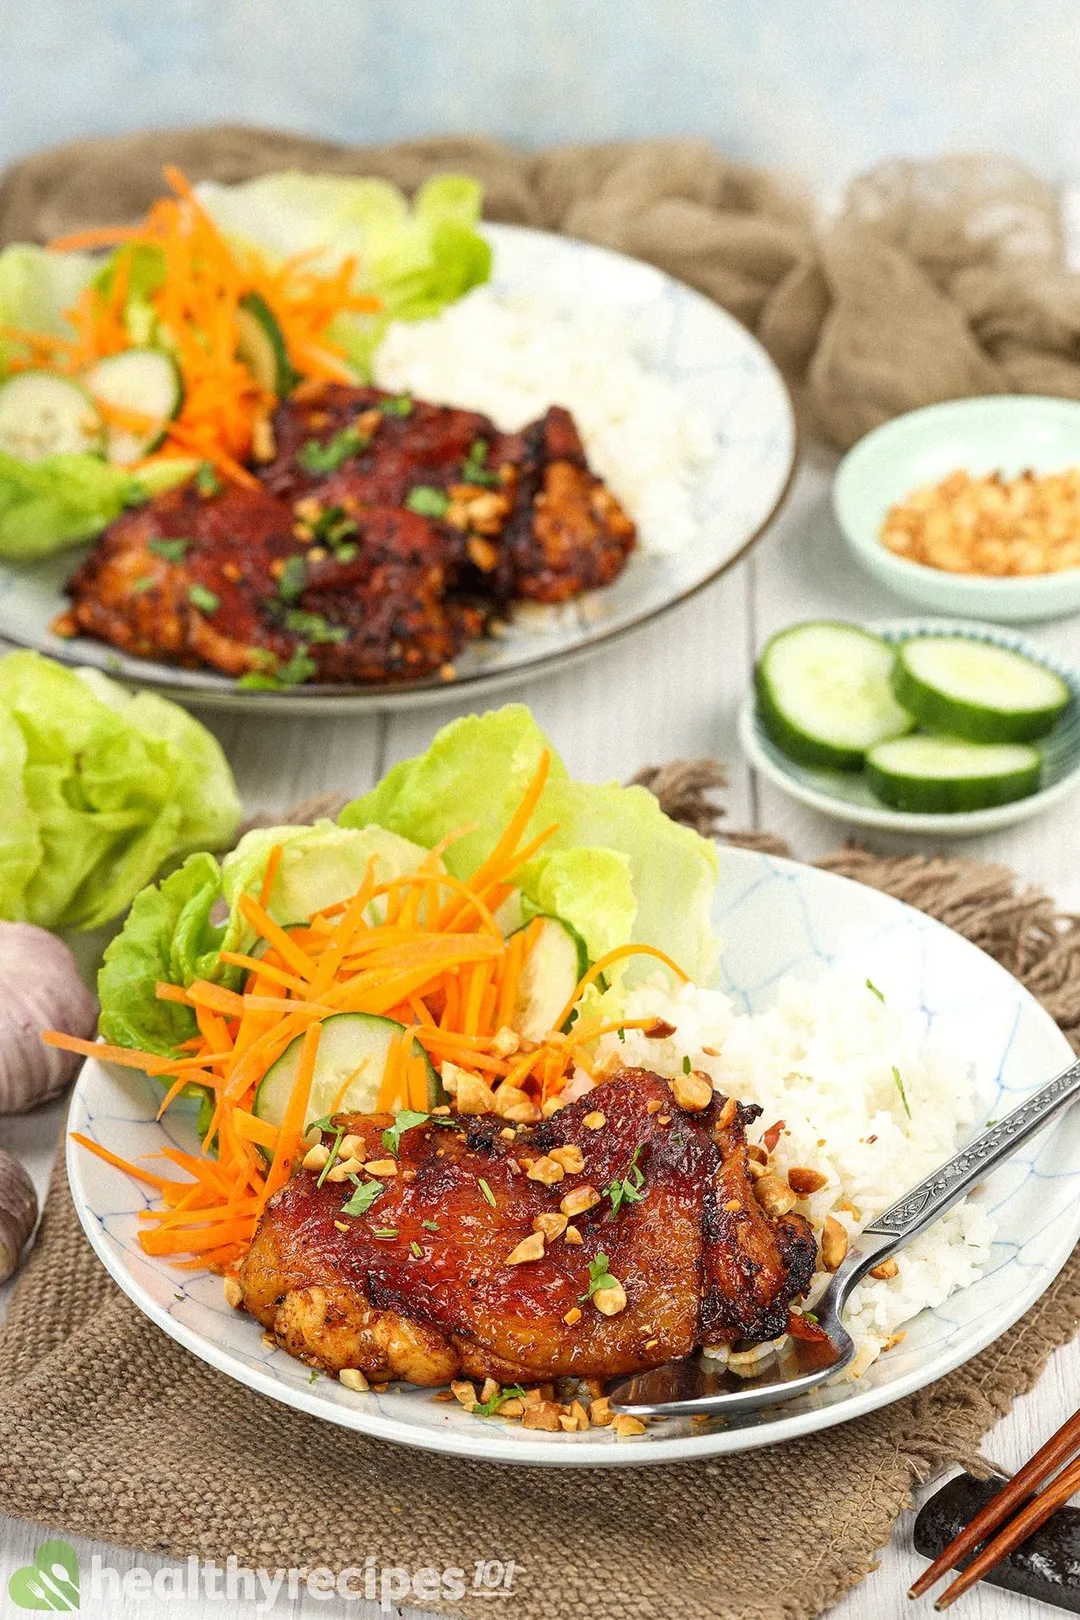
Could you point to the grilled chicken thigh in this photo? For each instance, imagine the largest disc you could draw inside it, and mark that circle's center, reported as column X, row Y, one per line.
column 382, row 536
column 461, row 1264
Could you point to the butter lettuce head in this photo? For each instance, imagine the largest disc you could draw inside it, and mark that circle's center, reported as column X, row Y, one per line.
column 319, row 866
column 104, row 790
column 36, row 287
column 167, row 936
column 617, row 869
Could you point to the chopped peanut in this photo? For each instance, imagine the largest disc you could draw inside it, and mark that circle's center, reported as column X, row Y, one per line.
column 774, row 1195
column 572, row 1316
column 542, row 1415
column 626, row 1426
column 551, row 1224
column 571, row 1158
column 728, row 1114
column 600, row 1413
column 573, row 1237
column 579, row 1199
column 315, row 1158
column 988, row 524
column 594, row 1121
column 530, row 1248
column 888, row 1268
column 473, row 1096
column 353, row 1378
column 513, row 1103
column 505, row 1042
column 381, row 1167
column 805, row 1181
column 345, row 1168
column 465, row 1393
column 554, row 1105
column 546, row 1170
column 234, row 1294
column 611, row 1300
column 834, row 1243
column 692, row 1091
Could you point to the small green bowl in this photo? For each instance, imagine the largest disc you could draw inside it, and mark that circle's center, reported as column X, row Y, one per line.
column 1005, row 432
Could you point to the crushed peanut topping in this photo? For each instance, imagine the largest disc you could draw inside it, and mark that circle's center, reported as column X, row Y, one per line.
column 381, row 1167
column 806, row 1181
column 546, row 1170
column 530, row 1248
column 572, row 1316
column 573, row 1237
column 578, row 1200
column 234, row 1294
column 989, row 524
column 594, row 1121
column 692, row 1091
column 353, row 1378
column 571, row 1158
column 551, row 1223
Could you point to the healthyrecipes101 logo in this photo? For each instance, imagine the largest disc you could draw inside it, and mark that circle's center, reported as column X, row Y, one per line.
column 50, row 1582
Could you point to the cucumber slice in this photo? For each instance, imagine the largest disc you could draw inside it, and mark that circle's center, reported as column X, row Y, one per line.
column 142, row 380
column 825, row 694
column 557, row 961
column 943, row 774
column 261, row 346
column 348, row 1070
column 976, row 690
column 45, row 415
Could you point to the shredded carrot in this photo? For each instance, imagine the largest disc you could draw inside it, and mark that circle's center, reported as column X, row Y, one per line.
column 608, row 960
column 273, row 861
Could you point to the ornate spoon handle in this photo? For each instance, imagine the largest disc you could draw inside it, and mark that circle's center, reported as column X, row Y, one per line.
column 945, row 1186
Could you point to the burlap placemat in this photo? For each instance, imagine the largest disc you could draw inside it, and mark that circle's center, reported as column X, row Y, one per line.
column 110, row 1430
column 937, row 279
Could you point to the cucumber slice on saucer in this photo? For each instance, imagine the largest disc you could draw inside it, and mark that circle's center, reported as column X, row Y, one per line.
column 825, row 694
column 949, row 774
column 977, row 690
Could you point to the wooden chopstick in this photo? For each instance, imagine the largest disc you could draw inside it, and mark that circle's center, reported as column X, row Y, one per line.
column 1057, row 1450
column 1027, row 1521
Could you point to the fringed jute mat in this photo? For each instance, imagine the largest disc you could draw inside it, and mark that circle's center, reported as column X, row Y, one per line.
column 110, row 1430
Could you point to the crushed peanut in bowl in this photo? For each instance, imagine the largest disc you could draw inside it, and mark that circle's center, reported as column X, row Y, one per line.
column 989, row 524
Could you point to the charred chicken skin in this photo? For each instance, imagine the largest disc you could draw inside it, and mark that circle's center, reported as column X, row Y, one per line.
column 461, row 1265
column 381, row 537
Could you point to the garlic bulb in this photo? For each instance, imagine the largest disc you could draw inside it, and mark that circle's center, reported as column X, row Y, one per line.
column 40, row 988
column 18, row 1212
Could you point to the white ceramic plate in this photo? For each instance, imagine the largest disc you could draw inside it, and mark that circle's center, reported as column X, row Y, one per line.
column 778, row 918
column 699, row 350
column 846, row 794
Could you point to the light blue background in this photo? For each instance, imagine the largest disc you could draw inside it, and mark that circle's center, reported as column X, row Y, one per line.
column 821, row 86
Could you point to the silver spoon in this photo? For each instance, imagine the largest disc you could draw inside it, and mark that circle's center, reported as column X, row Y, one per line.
column 686, row 1388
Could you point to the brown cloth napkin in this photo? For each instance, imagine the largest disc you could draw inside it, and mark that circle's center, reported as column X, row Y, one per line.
column 108, row 1429
column 937, row 279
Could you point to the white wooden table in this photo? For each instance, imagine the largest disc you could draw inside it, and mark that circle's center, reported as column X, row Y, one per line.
column 671, row 690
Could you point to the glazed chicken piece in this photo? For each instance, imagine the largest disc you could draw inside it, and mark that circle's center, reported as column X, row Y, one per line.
column 460, row 1266
column 225, row 581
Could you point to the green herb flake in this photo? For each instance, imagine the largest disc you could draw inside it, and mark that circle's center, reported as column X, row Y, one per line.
column 428, row 501
column 430, row 1226
column 179, row 1296
column 599, row 1276
column 415, row 1250
column 621, row 1034
column 364, row 1196
column 686, row 1065
column 313, row 627
column 399, row 405
column 627, row 1188
column 332, row 526
column 486, row 1190
column 900, row 1089
column 207, row 481
column 408, row 1117
column 474, row 469
column 325, row 1171
column 313, row 1375
column 488, row 1408
column 292, row 579
column 173, row 551
column 316, row 457
column 142, row 584
column 874, row 991
column 205, row 600
column 346, row 553
column 384, row 1232
column 299, row 669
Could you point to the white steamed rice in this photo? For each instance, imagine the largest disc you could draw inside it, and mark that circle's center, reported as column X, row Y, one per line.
column 822, row 1060
column 513, row 358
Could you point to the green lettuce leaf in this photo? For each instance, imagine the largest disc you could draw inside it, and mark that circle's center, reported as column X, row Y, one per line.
column 61, row 500
column 617, row 869
column 168, row 935
column 36, row 287
column 416, row 259
column 319, row 866
column 115, row 786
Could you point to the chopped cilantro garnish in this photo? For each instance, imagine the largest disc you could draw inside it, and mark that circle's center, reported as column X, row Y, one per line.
column 900, row 1089
column 874, row 991
column 325, row 1171
column 206, row 601
column 621, row 1033
column 599, row 1276
column 686, row 1065
column 474, row 469
column 488, row 1408
column 400, row 405
column 323, row 1124
column 346, row 553
column 171, row 550
column 430, row 1226
column 332, row 526
column 404, row 1121
column 207, row 481
column 292, row 579
column 364, row 1196
column 415, row 1250
column 384, row 1231
column 299, row 669
column 486, row 1190
column 316, row 457
column 143, row 583
column 313, row 1375
column 428, row 501
column 627, row 1189
column 313, row 627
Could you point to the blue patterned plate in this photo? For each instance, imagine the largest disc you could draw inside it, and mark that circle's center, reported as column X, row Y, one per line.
column 846, row 794
column 777, row 918
column 701, row 352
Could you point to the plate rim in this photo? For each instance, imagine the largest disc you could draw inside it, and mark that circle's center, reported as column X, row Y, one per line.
column 489, row 1447
column 376, row 699
column 934, row 824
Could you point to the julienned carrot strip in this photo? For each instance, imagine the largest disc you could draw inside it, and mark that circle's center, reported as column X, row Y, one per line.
column 201, row 993
column 273, row 1004
column 352, row 921
column 124, row 1164
column 171, row 992
column 288, row 981
column 607, row 960
column 273, row 861
column 168, row 1243
column 417, row 1073
column 255, row 1130
column 292, row 1125
column 389, row 1097
column 478, row 983
column 265, row 925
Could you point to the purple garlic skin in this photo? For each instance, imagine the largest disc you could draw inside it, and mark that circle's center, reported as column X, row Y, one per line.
column 40, row 988
column 18, row 1212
